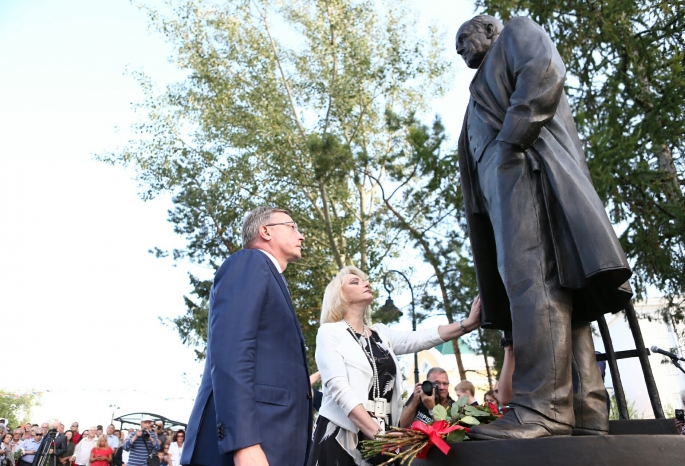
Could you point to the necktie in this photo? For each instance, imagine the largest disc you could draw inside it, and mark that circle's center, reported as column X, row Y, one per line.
column 286, row 283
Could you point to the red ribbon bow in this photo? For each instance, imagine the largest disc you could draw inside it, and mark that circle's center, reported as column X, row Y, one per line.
column 434, row 433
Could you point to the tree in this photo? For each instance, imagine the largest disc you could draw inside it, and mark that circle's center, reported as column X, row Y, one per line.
column 425, row 203
column 626, row 85
column 284, row 103
column 16, row 408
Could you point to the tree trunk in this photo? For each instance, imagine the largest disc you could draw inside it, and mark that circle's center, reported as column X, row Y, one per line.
column 485, row 357
column 666, row 165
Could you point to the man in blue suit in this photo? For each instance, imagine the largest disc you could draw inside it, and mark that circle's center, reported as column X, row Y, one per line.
column 254, row 403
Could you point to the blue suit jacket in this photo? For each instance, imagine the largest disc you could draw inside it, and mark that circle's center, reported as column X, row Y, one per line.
column 255, row 387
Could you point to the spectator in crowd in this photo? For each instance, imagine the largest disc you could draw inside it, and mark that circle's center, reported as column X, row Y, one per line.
column 141, row 443
column 317, row 394
column 490, row 397
column 504, row 389
column 176, row 447
column 30, row 447
column 46, row 427
column 112, row 439
column 6, row 453
column 3, row 429
column 680, row 427
column 59, row 445
column 85, row 446
column 27, row 431
column 74, row 431
column 98, row 431
column 120, row 456
column 159, row 429
column 164, row 456
column 419, row 406
column 101, row 454
column 466, row 388
column 353, row 357
column 17, row 436
column 65, row 458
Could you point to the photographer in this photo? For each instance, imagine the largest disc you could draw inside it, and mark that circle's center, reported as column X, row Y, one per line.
column 142, row 444
column 419, row 406
column 58, row 443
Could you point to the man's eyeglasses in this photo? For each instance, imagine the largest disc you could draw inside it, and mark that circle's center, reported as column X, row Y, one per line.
column 292, row 225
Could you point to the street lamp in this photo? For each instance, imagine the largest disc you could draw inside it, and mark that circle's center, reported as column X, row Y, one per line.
column 114, row 408
column 389, row 310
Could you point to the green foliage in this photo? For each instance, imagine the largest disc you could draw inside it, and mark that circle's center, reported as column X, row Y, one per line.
column 630, row 405
column 464, row 414
column 626, row 87
column 469, row 420
column 284, row 103
column 17, row 408
column 439, row 413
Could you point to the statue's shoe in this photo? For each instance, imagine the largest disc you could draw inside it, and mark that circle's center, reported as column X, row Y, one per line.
column 591, row 418
column 519, row 423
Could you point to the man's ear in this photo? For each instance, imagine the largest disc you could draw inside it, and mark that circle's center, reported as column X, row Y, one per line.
column 489, row 30
column 264, row 233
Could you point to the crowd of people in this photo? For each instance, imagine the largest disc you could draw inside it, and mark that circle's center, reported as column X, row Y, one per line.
column 54, row 445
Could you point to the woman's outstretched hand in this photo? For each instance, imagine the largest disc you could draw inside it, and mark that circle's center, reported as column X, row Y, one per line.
column 472, row 322
column 454, row 330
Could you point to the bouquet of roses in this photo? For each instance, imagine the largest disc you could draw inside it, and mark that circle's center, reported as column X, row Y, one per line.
column 453, row 425
column 17, row 455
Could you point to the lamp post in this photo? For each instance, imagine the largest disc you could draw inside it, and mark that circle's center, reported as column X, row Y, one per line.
column 389, row 309
column 114, row 408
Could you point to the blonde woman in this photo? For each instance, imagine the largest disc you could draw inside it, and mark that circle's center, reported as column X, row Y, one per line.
column 101, row 455
column 361, row 382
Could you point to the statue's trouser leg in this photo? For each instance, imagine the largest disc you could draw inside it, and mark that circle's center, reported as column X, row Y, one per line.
column 540, row 309
column 589, row 394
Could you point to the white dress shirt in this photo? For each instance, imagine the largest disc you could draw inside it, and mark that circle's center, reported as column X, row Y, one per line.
column 83, row 449
column 273, row 259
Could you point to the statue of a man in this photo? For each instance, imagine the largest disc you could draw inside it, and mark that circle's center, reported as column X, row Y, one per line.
column 547, row 259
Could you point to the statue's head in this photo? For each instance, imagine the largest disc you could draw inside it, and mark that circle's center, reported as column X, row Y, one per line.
column 475, row 37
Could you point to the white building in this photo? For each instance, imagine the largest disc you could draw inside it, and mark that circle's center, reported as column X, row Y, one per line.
column 669, row 380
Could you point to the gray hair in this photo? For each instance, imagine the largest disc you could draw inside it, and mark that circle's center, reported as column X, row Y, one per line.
column 255, row 219
column 435, row 370
column 480, row 22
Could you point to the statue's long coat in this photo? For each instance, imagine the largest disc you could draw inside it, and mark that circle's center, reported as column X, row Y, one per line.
column 520, row 88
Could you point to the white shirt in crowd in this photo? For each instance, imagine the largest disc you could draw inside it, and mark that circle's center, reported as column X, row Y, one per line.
column 83, row 449
column 175, row 451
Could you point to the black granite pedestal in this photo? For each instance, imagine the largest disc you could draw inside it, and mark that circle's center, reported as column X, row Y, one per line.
column 623, row 450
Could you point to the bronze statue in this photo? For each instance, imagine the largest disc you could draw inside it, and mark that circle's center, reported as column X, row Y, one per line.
column 547, row 259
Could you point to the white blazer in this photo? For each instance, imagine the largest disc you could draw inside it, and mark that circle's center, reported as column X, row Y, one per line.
column 346, row 374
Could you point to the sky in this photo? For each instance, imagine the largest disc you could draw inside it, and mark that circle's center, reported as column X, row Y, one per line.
column 81, row 298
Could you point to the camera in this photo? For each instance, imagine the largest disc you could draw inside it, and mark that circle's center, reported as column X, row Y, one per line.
column 146, row 434
column 428, row 387
column 680, row 415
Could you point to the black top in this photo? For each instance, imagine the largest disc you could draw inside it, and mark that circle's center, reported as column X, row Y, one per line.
column 387, row 371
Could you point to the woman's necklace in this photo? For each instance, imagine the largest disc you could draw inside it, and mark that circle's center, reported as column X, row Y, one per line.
column 369, row 355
